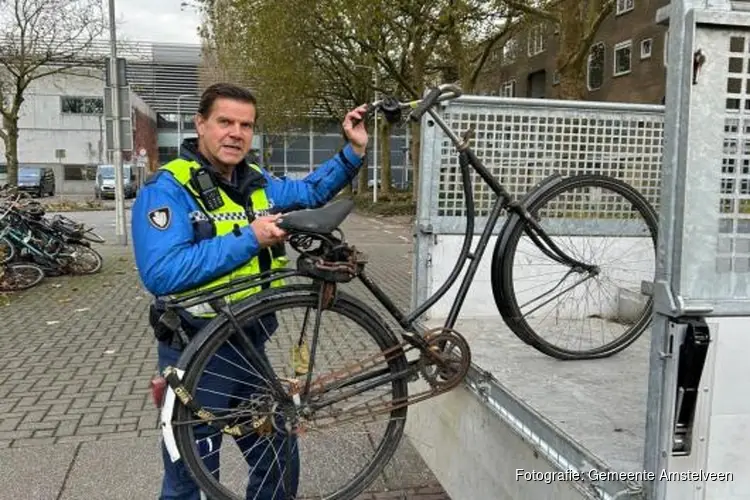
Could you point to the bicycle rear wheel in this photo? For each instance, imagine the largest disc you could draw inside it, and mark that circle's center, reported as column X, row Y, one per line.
column 7, row 251
column 16, row 277
column 338, row 449
column 567, row 313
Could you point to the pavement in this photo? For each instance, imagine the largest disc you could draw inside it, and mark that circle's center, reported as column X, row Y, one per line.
column 76, row 356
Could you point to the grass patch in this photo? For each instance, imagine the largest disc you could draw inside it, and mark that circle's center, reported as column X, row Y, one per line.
column 76, row 206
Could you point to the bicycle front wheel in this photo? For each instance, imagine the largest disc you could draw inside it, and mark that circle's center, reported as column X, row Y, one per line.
column 16, row 277
column 569, row 313
column 331, row 445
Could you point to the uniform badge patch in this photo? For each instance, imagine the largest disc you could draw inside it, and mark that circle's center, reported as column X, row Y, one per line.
column 160, row 218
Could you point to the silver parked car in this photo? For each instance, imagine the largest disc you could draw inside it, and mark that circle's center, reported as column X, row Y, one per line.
column 105, row 182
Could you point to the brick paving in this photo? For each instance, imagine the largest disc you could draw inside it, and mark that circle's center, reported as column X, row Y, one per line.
column 76, row 357
column 421, row 493
column 76, row 353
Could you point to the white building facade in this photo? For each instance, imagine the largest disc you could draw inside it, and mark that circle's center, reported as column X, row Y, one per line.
column 62, row 126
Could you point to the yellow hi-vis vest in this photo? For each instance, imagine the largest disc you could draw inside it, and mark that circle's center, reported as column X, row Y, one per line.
column 224, row 220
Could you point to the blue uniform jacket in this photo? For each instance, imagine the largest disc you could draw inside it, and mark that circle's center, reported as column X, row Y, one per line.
column 169, row 256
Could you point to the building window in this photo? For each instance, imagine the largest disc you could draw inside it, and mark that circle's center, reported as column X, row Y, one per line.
column 167, row 154
column 666, row 47
column 624, row 6
column 646, row 46
column 82, row 105
column 622, row 58
column 536, row 40
column 508, row 89
column 510, row 49
column 79, row 172
column 595, row 73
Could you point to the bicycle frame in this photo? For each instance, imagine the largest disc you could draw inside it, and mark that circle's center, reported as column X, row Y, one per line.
column 19, row 239
column 503, row 201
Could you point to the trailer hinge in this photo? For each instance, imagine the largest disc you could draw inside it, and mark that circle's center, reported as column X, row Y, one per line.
column 692, row 359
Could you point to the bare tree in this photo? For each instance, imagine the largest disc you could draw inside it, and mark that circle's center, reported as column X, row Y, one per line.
column 38, row 39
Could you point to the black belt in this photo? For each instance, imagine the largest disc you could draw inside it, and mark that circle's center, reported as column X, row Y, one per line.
column 170, row 327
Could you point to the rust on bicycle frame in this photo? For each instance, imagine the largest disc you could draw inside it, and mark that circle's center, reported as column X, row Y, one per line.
column 437, row 357
column 455, row 374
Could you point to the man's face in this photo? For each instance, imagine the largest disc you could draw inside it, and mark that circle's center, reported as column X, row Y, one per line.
column 226, row 134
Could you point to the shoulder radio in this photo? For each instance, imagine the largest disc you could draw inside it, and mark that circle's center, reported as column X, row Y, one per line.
column 207, row 189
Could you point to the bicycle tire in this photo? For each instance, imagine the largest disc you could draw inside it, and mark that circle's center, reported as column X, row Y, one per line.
column 502, row 272
column 9, row 252
column 14, row 268
column 98, row 261
column 266, row 303
column 91, row 236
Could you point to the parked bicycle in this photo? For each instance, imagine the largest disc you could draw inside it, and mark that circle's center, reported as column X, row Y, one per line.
column 17, row 277
column 337, row 373
column 58, row 245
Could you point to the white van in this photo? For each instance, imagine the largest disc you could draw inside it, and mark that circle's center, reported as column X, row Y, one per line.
column 104, row 186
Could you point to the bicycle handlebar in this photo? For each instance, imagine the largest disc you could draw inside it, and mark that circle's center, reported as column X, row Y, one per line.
column 429, row 101
column 392, row 107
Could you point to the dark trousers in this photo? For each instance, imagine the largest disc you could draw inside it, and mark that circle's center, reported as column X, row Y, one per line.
column 266, row 456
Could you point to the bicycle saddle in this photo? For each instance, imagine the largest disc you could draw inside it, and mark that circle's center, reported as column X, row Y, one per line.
column 317, row 220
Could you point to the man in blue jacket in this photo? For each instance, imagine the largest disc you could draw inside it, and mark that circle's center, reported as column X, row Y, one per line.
column 207, row 216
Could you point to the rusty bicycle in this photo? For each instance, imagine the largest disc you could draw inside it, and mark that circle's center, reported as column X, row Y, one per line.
column 334, row 371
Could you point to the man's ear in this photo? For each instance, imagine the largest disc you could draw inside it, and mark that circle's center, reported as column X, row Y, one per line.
column 199, row 123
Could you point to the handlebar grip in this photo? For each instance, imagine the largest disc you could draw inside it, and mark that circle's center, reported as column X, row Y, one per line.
column 368, row 113
column 426, row 104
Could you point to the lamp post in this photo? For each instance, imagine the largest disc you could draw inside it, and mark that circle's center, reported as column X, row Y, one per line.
column 120, row 231
column 375, row 139
column 179, row 121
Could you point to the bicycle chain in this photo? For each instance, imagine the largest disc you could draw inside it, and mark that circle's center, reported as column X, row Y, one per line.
column 446, row 377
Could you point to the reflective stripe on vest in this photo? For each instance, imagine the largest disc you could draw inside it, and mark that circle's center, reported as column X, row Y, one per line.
column 224, row 219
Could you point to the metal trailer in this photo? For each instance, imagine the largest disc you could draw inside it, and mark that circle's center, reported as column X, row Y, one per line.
column 667, row 418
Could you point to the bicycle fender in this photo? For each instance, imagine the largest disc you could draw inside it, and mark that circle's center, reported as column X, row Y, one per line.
column 200, row 339
column 167, row 411
column 514, row 219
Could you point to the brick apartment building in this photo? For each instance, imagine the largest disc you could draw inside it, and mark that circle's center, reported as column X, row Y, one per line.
column 627, row 62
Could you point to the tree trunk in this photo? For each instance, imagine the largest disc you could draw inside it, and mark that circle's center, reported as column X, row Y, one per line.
column 414, row 159
column 11, row 151
column 362, row 176
column 417, row 76
column 579, row 22
column 572, row 84
column 385, row 158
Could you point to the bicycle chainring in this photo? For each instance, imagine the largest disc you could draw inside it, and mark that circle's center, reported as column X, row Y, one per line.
column 443, row 370
column 448, row 360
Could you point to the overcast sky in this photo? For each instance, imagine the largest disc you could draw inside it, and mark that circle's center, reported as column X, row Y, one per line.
column 156, row 21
